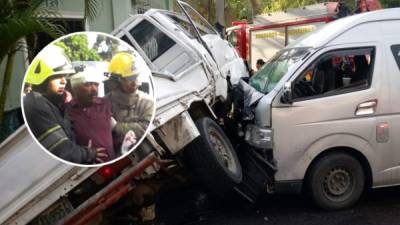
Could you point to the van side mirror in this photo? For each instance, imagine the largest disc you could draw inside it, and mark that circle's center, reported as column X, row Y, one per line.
column 287, row 93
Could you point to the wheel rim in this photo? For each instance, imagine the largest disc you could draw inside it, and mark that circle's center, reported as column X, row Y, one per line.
column 338, row 184
column 226, row 157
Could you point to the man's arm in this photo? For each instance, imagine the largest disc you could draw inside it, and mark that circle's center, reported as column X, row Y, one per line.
column 140, row 126
column 43, row 123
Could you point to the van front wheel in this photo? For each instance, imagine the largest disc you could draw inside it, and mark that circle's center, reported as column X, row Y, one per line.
column 336, row 181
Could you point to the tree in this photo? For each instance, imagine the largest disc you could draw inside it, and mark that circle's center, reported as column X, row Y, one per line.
column 18, row 19
column 256, row 5
column 283, row 5
column 238, row 10
column 21, row 18
column 390, row 3
column 205, row 8
column 247, row 9
column 76, row 47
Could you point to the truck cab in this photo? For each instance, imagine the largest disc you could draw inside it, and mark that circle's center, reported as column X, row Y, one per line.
column 193, row 69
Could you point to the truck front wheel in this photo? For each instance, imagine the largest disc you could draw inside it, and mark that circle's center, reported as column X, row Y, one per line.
column 335, row 181
column 213, row 159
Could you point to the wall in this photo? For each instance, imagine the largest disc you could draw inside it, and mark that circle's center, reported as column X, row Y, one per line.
column 13, row 97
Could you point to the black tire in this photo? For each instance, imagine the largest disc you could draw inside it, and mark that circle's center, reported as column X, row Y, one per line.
column 336, row 181
column 213, row 159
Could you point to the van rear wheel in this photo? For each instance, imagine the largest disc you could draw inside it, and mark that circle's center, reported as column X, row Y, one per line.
column 336, row 181
column 213, row 159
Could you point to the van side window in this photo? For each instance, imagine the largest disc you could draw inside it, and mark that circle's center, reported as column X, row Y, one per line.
column 151, row 39
column 396, row 54
column 336, row 72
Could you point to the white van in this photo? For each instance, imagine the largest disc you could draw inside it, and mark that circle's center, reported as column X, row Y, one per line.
column 329, row 116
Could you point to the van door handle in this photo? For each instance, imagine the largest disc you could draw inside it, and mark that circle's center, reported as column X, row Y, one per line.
column 367, row 108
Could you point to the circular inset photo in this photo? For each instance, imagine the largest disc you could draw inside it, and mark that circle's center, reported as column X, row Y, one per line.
column 88, row 99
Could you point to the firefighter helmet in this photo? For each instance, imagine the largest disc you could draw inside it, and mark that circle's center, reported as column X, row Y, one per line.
column 52, row 61
column 122, row 65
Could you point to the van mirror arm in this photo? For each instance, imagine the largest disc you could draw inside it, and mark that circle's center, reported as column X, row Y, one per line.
column 287, row 97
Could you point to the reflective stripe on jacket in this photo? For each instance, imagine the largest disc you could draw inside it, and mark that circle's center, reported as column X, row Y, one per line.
column 52, row 128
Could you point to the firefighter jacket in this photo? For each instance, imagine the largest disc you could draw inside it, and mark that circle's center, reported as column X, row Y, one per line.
column 52, row 128
column 131, row 111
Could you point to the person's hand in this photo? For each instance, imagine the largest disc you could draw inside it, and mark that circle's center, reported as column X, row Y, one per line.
column 101, row 152
column 129, row 141
column 130, row 138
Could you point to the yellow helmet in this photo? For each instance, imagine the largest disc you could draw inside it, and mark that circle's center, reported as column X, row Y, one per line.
column 52, row 61
column 122, row 65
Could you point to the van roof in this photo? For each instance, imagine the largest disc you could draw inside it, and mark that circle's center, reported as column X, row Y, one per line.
column 324, row 35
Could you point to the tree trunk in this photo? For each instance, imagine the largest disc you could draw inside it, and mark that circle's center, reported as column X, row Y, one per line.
column 210, row 3
column 6, row 82
column 228, row 15
column 257, row 7
column 219, row 12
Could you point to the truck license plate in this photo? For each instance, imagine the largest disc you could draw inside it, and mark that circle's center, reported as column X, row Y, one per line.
column 54, row 213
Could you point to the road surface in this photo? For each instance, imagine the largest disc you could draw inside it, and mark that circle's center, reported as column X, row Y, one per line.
column 189, row 206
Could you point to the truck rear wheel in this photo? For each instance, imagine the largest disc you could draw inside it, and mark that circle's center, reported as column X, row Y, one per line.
column 213, row 159
column 336, row 181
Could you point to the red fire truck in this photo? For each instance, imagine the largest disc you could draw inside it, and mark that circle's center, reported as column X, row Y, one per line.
column 271, row 32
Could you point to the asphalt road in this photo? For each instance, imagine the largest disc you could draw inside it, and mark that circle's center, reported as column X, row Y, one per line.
column 191, row 207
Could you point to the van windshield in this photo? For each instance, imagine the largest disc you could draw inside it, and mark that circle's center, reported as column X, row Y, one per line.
column 272, row 72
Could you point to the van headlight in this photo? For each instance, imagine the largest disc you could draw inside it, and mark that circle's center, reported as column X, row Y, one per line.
column 259, row 137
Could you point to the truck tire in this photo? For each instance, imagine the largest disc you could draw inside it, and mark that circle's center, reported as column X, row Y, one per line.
column 336, row 181
column 213, row 159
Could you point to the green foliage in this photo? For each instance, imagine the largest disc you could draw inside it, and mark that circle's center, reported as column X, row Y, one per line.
column 206, row 8
column 248, row 9
column 24, row 18
column 242, row 9
column 390, row 3
column 77, row 48
column 19, row 18
column 282, row 5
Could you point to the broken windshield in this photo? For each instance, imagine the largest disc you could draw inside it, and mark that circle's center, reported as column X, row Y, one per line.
column 272, row 72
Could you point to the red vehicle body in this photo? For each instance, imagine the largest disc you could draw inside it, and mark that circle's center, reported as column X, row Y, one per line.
column 272, row 32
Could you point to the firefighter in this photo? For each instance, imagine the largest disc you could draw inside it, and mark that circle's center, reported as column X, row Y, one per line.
column 44, row 108
column 132, row 108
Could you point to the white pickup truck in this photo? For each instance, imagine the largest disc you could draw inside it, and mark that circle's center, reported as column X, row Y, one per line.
column 191, row 67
